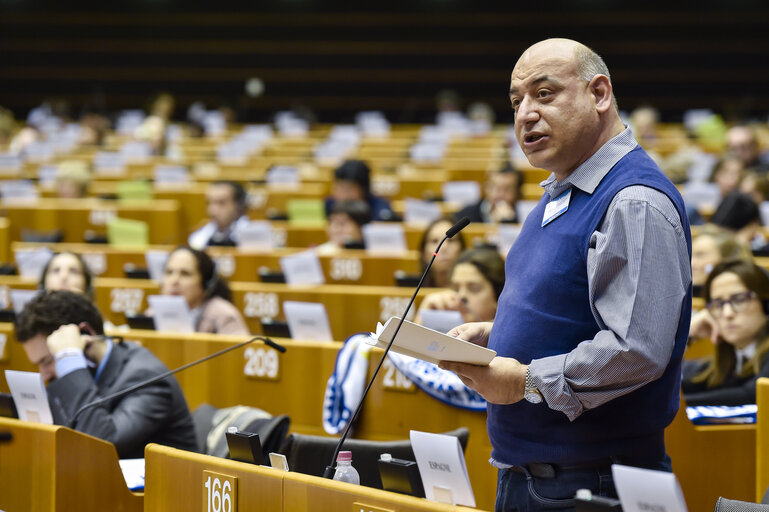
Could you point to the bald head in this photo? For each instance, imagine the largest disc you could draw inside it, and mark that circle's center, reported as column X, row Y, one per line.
column 564, row 104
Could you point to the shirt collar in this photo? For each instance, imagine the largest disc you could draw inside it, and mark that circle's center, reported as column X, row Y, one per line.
column 103, row 362
column 743, row 355
column 589, row 174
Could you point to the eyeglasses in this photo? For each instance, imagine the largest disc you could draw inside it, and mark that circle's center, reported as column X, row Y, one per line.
column 739, row 302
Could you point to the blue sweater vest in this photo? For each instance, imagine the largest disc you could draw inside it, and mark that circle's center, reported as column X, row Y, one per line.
column 544, row 310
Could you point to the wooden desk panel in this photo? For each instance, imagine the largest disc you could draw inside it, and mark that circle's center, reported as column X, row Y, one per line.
column 5, row 240
column 305, row 492
column 344, row 267
column 297, row 388
column 174, row 480
column 51, row 468
column 350, row 308
column 762, row 439
column 712, row 461
column 75, row 217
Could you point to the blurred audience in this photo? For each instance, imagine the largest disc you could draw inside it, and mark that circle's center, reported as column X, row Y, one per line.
column 501, row 193
column 727, row 174
column 477, row 279
column 68, row 272
column 737, row 295
column 711, row 245
column 739, row 214
column 440, row 273
column 192, row 274
column 226, row 207
column 72, row 179
column 345, row 226
column 352, row 182
column 742, row 142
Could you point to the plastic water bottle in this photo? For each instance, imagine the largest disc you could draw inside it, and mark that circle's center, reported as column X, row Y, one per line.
column 344, row 470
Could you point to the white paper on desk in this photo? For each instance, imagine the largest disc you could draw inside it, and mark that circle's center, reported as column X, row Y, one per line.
column 307, row 321
column 282, row 175
column 506, row 235
column 28, row 391
column 441, row 463
column 462, row 192
column 171, row 313
column 156, row 264
column 428, row 345
column 302, row 268
column 421, row 212
column 384, row 238
column 441, row 320
column 256, row 234
column 31, row 262
column 19, row 298
column 640, row 490
column 133, row 472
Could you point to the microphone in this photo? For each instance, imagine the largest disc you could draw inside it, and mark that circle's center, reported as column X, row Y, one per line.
column 453, row 230
column 123, row 392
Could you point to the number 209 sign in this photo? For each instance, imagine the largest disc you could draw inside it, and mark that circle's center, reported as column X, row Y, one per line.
column 220, row 492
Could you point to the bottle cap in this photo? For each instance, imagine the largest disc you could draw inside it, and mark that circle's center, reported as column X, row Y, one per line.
column 344, row 457
column 232, row 430
column 584, row 494
column 386, row 457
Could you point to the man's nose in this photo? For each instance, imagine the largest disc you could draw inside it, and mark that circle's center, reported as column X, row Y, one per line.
column 527, row 111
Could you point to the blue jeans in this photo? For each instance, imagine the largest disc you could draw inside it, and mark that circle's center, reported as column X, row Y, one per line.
column 519, row 491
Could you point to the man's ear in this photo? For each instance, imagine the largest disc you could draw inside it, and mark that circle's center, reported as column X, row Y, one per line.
column 603, row 92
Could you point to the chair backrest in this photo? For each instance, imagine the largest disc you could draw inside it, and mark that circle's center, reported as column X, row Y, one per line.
column 311, row 454
column 272, row 430
column 724, row 505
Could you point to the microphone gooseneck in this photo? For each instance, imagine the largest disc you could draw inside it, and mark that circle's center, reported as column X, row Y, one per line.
column 453, row 230
column 123, row 392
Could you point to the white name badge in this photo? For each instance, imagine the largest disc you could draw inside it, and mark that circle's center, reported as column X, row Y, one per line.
column 556, row 207
column 384, row 238
column 307, row 321
column 171, row 313
column 442, row 466
column 302, row 268
column 29, row 394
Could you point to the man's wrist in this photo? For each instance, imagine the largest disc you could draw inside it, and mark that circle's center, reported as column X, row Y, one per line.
column 68, row 352
column 530, row 391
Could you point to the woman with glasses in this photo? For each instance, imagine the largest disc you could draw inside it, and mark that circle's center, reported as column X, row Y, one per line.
column 737, row 295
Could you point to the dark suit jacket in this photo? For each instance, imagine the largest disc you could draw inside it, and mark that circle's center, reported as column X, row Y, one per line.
column 157, row 413
column 734, row 391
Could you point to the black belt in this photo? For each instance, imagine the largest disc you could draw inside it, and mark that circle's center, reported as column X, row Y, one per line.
column 546, row 470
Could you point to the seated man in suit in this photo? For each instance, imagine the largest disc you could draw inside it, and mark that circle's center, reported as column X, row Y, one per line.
column 80, row 369
column 501, row 193
column 226, row 207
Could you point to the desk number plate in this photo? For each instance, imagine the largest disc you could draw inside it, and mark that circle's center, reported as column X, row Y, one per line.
column 220, row 492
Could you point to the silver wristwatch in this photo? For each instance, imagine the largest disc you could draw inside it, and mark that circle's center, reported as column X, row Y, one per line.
column 530, row 392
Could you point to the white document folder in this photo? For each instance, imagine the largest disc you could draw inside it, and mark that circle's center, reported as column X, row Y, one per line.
column 428, row 345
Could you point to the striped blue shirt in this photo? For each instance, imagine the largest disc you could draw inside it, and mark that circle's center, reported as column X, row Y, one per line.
column 628, row 270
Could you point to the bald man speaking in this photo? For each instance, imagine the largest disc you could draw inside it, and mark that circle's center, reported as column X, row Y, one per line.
column 594, row 316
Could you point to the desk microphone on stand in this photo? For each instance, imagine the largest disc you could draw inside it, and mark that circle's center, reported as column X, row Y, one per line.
column 453, row 230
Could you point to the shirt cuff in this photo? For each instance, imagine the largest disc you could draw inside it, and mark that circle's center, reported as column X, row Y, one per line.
column 547, row 374
column 69, row 362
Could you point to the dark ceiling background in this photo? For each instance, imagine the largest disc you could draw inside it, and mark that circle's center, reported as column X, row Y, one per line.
column 337, row 61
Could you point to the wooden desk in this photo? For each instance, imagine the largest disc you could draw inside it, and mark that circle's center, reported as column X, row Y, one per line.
column 712, row 460
column 73, row 217
column 294, row 383
column 350, row 308
column 762, row 438
column 344, row 267
column 175, row 480
column 52, row 468
column 5, row 240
